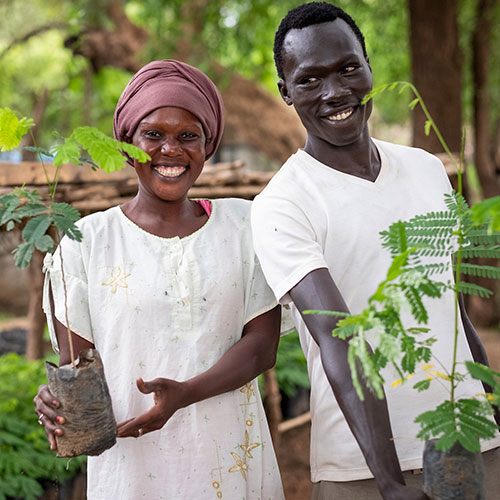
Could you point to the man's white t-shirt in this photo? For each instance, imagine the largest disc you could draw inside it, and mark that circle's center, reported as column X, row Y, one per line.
column 311, row 216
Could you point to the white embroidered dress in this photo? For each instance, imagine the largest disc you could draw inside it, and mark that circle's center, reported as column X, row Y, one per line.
column 170, row 307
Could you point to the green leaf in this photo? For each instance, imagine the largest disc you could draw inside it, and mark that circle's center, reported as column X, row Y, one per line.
column 413, row 103
column 66, row 210
column 483, row 373
column 104, row 150
column 68, row 227
column 12, row 129
column 422, row 385
column 10, row 225
column 473, row 289
column 36, row 228
column 428, row 125
column 23, row 254
column 45, row 243
column 69, row 152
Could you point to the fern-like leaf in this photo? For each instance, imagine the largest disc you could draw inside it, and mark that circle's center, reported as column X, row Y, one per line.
column 480, row 270
column 473, row 289
column 23, row 254
column 69, row 152
column 489, row 251
column 104, row 150
column 12, row 129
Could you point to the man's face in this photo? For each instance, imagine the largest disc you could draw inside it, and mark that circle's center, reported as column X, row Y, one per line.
column 326, row 77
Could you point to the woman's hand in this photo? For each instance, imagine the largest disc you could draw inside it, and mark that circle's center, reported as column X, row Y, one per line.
column 45, row 407
column 169, row 396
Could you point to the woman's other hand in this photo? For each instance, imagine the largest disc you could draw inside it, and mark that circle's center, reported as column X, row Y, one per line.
column 169, row 396
column 46, row 406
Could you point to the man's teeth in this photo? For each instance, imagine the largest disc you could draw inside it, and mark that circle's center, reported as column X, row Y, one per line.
column 341, row 116
column 170, row 171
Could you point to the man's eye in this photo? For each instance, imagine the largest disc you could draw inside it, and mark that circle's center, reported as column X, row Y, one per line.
column 349, row 69
column 309, row 79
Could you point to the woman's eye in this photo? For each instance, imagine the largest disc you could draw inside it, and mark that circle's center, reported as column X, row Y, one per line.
column 189, row 136
column 151, row 134
column 349, row 69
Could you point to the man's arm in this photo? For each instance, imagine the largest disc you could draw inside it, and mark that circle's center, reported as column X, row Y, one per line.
column 368, row 419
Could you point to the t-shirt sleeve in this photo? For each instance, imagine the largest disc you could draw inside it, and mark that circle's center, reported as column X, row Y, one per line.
column 286, row 244
column 259, row 298
column 75, row 282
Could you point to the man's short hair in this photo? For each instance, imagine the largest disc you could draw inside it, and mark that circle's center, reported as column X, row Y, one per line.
column 306, row 15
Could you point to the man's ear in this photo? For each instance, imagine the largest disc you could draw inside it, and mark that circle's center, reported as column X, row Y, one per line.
column 284, row 92
column 367, row 59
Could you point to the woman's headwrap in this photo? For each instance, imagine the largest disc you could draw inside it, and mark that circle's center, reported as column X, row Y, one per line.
column 170, row 83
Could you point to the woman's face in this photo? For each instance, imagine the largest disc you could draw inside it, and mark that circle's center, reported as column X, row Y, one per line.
column 175, row 141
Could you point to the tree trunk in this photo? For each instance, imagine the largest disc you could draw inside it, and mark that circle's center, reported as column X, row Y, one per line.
column 436, row 64
column 483, row 157
column 40, row 105
column 484, row 312
column 272, row 400
column 35, row 348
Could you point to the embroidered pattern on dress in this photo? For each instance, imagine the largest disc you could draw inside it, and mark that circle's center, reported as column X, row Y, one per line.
column 115, row 281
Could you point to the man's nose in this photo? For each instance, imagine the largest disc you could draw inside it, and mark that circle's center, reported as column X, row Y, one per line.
column 171, row 147
column 334, row 89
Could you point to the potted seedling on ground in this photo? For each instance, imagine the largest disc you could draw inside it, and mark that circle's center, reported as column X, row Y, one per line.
column 80, row 386
column 453, row 430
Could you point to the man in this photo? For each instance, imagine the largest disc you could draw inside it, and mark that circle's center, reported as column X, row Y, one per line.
column 316, row 231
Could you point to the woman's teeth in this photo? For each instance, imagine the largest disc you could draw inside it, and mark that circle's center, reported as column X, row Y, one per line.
column 341, row 116
column 170, row 171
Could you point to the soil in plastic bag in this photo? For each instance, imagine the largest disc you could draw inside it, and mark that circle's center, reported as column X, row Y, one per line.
column 454, row 474
column 90, row 426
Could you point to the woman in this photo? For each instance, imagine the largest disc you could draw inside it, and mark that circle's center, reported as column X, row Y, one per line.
column 169, row 291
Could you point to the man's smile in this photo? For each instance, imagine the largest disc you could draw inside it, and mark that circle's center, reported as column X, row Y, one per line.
column 340, row 115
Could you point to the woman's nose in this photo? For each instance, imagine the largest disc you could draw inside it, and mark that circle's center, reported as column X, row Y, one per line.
column 171, row 147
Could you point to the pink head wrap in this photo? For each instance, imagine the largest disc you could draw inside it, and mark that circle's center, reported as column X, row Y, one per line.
column 170, row 83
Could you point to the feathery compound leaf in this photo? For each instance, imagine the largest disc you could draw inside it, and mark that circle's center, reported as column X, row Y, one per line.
column 66, row 210
column 473, row 289
column 68, row 227
column 480, row 270
column 489, row 251
column 45, row 243
column 12, row 129
column 104, row 150
column 23, row 254
column 69, row 152
column 36, row 228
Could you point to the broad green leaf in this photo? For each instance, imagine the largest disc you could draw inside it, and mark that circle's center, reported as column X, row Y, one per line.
column 10, row 225
column 483, row 373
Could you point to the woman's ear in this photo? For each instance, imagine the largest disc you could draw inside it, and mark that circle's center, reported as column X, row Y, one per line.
column 284, row 92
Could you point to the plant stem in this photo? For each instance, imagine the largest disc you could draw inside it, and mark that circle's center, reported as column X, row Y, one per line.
column 70, row 340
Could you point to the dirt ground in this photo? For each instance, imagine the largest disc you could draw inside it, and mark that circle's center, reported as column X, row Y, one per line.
column 293, row 453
